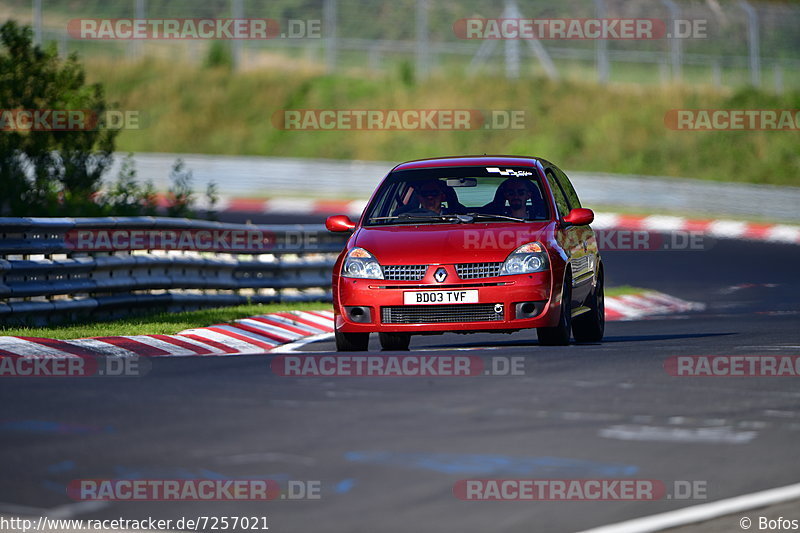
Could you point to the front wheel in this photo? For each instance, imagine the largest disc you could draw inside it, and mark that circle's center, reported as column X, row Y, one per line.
column 559, row 335
column 590, row 326
column 351, row 342
column 394, row 341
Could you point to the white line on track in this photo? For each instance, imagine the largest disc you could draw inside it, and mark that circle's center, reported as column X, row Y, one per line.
column 69, row 510
column 292, row 346
column 720, row 435
column 702, row 512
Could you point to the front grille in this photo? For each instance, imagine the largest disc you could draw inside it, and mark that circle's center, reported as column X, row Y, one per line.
column 478, row 270
column 404, row 272
column 434, row 314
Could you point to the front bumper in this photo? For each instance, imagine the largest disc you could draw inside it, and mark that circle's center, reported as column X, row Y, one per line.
column 383, row 302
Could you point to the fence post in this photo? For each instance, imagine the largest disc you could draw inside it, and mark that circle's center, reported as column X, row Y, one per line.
column 512, row 45
column 675, row 47
column 62, row 46
column 778, row 76
column 237, row 9
column 716, row 74
column 37, row 22
column 140, row 12
column 601, row 46
column 753, row 42
column 512, row 54
column 422, row 39
column 329, row 14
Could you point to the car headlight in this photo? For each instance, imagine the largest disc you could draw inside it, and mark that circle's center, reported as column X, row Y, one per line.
column 531, row 257
column 359, row 263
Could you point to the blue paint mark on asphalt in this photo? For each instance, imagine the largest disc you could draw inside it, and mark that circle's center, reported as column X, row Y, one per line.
column 63, row 466
column 480, row 464
column 344, row 485
column 45, row 427
column 58, row 488
column 124, row 472
column 273, row 477
column 208, row 474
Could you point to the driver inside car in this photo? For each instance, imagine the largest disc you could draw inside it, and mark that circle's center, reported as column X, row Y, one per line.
column 430, row 194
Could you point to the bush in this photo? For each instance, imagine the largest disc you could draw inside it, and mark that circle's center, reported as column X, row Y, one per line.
column 219, row 55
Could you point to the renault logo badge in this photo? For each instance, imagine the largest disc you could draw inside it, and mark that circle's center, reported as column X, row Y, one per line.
column 440, row 275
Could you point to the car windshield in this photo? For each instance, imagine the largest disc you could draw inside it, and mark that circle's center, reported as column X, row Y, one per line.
column 459, row 195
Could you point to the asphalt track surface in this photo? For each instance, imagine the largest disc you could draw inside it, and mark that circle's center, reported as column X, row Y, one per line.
column 388, row 451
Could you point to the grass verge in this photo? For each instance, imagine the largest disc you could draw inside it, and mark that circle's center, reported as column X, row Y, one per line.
column 623, row 290
column 579, row 126
column 159, row 323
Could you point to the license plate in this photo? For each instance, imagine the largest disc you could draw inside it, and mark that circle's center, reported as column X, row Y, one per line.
column 440, row 297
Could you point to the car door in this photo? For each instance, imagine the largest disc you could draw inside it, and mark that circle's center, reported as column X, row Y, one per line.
column 583, row 269
column 572, row 239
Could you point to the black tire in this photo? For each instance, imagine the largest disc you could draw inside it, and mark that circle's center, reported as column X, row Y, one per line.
column 590, row 326
column 351, row 342
column 394, row 341
column 560, row 334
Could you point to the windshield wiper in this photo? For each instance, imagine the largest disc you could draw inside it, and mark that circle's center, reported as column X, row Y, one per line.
column 489, row 215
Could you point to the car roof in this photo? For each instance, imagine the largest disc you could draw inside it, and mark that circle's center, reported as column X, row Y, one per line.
column 472, row 160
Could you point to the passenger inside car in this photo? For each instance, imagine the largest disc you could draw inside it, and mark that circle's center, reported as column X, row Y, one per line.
column 519, row 198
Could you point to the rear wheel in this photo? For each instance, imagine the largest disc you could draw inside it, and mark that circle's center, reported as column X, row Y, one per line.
column 351, row 342
column 590, row 326
column 559, row 335
column 394, row 341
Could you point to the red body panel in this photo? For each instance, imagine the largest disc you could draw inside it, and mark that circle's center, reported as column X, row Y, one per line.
column 448, row 243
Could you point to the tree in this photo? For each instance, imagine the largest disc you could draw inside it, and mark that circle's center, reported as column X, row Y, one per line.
column 45, row 173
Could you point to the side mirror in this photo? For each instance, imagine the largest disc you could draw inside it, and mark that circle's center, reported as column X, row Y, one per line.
column 339, row 223
column 579, row 217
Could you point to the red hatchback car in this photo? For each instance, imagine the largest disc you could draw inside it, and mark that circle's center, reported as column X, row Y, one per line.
column 469, row 244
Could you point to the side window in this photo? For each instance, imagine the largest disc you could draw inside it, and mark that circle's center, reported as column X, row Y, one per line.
column 561, row 200
column 569, row 190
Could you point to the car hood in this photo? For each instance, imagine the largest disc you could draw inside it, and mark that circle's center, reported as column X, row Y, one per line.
column 449, row 243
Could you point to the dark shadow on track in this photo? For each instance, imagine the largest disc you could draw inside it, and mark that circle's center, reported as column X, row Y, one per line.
column 633, row 338
column 621, row 338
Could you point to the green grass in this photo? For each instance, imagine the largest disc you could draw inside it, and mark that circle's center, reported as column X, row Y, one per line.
column 580, row 126
column 159, row 323
column 171, row 323
column 623, row 290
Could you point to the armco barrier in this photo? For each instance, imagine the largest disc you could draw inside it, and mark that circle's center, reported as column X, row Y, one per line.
column 53, row 269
